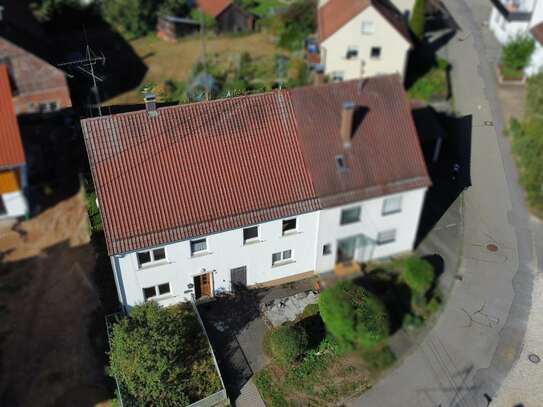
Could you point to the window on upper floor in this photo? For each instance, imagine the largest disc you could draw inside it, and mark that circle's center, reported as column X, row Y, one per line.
column 387, row 236
column 289, row 226
column 156, row 291
column 352, row 52
column 368, row 27
column 149, row 257
column 250, row 234
column 327, row 249
column 392, row 205
column 350, row 215
column 375, row 52
column 198, row 246
column 281, row 257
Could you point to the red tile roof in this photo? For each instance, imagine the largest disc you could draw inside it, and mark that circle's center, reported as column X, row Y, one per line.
column 213, row 7
column 537, row 32
column 336, row 13
column 11, row 147
column 206, row 167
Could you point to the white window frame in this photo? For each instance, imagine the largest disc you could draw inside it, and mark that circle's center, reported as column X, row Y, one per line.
column 253, row 239
column 290, row 231
column 367, row 27
column 198, row 252
column 398, row 199
column 381, row 241
column 157, row 295
column 282, row 259
column 352, row 208
column 152, row 262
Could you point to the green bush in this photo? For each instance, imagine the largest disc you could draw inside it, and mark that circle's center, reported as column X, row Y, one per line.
column 287, row 344
column 534, row 96
column 298, row 22
column 353, row 315
column 517, row 52
column 417, row 19
column 161, row 357
column 412, row 322
column 379, row 359
column 418, row 274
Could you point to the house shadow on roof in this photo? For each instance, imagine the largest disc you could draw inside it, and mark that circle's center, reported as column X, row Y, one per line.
column 450, row 173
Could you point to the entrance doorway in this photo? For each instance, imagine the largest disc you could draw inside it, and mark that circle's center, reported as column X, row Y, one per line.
column 202, row 286
column 238, row 278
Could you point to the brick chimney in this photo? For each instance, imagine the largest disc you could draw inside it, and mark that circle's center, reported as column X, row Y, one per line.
column 150, row 104
column 346, row 131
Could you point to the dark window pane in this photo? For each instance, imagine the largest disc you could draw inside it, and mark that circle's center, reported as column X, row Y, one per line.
column 287, row 254
column 199, row 245
column 289, row 225
column 326, row 249
column 159, row 254
column 164, row 288
column 250, row 233
column 350, row 215
column 149, row 292
column 276, row 257
column 144, row 257
column 376, row 52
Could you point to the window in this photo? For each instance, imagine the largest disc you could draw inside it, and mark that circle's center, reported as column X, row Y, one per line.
column 392, row 205
column 151, row 256
column 156, row 291
column 289, row 226
column 350, row 215
column 198, row 246
column 336, row 76
column 281, row 257
column 375, row 52
column 352, row 52
column 368, row 27
column 326, row 249
column 250, row 234
column 385, row 237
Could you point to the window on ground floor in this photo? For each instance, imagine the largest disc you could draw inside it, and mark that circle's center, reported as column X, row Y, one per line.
column 281, row 257
column 375, row 52
column 350, row 215
column 148, row 257
column 387, row 236
column 156, row 291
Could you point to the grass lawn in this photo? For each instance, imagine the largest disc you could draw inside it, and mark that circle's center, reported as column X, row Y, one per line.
column 433, row 85
column 167, row 60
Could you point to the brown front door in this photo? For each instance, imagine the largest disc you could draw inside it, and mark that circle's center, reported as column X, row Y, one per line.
column 202, row 285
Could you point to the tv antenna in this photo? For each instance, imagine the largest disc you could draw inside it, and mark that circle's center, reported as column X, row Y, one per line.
column 86, row 66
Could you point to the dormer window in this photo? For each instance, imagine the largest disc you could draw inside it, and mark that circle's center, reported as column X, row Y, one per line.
column 340, row 163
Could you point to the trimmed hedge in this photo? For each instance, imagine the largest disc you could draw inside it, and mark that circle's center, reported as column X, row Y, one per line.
column 287, row 344
column 417, row 19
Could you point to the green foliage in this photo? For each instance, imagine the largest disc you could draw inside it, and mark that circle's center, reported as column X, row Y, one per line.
column 287, row 344
column 180, row 8
column 353, row 315
column 130, row 17
column 417, row 273
column 417, row 19
column 412, row 322
column 161, row 357
column 379, row 359
column 270, row 392
column 517, row 52
column 94, row 213
column 47, row 10
column 534, row 96
column 298, row 22
column 310, row 310
column 433, row 84
column 197, row 15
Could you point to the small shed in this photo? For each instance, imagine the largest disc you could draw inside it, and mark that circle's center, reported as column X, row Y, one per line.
column 229, row 16
column 170, row 28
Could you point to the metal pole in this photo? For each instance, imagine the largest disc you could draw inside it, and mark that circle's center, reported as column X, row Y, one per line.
column 204, row 52
column 95, row 87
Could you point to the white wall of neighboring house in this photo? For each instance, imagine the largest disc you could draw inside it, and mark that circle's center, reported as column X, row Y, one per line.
column 404, row 6
column 227, row 251
column 394, row 48
column 506, row 30
column 15, row 205
column 536, row 61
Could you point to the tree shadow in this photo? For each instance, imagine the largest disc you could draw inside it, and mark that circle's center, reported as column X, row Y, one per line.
column 450, row 173
column 438, row 265
column 316, row 331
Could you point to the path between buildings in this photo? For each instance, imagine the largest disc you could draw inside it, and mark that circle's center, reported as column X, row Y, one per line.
column 480, row 335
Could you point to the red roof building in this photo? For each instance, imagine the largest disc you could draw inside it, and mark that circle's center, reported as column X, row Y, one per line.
column 201, row 168
column 11, row 147
column 228, row 15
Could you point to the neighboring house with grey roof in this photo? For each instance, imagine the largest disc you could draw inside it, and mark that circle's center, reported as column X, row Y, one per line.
column 256, row 190
column 362, row 38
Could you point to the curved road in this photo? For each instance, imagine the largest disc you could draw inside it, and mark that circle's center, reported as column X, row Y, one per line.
column 480, row 336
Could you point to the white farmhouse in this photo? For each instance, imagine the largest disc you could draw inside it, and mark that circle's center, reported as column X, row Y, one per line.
column 362, row 38
column 13, row 203
column 510, row 18
column 256, row 190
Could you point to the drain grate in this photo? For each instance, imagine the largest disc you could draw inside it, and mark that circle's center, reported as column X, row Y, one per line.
column 491, row 247
column 532, row 357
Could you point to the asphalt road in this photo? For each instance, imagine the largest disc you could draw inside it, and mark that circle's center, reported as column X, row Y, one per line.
column 479, row 336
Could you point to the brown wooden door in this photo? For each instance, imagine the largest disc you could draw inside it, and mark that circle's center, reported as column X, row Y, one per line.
column 205, row 284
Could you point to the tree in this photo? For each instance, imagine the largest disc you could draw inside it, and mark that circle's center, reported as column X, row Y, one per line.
column 298, row 22
column 353, row 315
column 180, row 8
column 46, row 10
column 417, row 19
column 287, row 344
column 160, row 356
column 130, row 17
column 517, row 52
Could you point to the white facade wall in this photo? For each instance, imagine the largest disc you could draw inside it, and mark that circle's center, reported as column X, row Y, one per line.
column 536, row 61
column 506, row 30
column 227, row 251
column 15, row 204
column 394, row 48
column 404, row 6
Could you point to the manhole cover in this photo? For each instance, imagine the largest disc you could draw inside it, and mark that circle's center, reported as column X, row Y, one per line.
column 532, row 357
column 492, row 247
